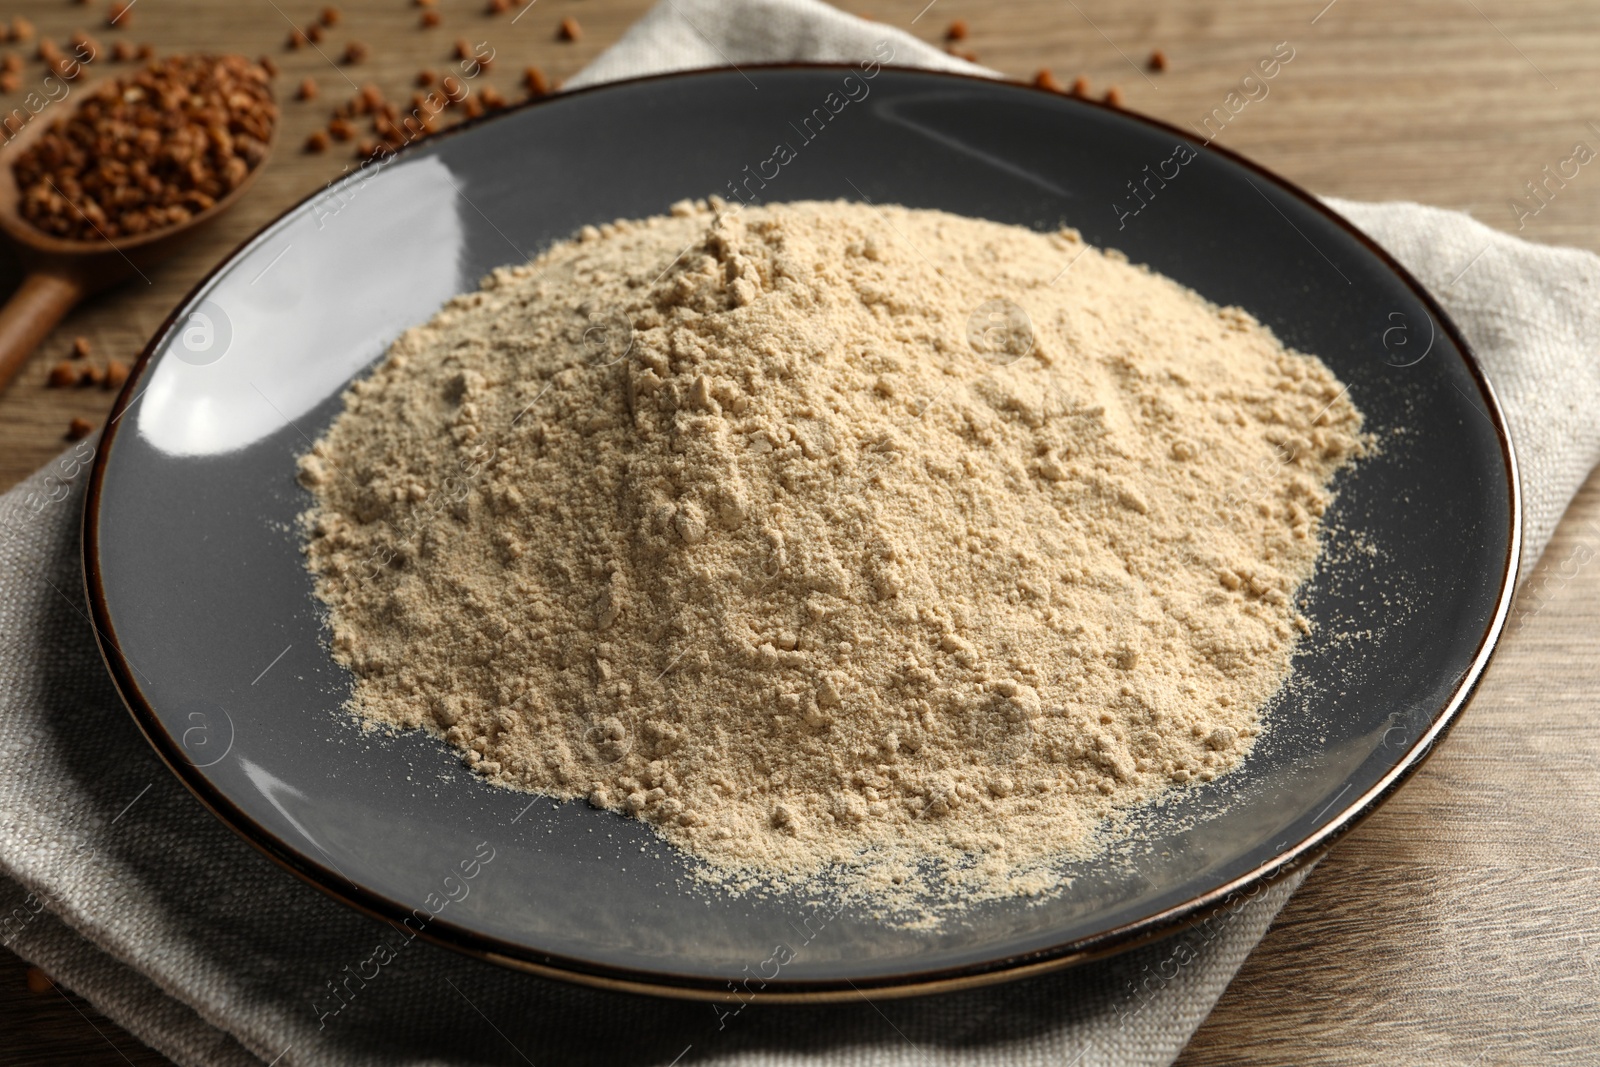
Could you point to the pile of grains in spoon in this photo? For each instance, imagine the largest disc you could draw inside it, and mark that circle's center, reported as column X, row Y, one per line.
column 849, row 541
column 150, row 150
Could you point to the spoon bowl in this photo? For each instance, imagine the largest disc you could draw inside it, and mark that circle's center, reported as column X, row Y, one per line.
column 59, row 272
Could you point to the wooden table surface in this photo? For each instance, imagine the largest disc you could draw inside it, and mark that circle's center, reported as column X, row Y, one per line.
column 1457, row 103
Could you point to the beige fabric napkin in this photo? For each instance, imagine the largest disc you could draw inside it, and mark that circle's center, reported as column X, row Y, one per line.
column 118, row 883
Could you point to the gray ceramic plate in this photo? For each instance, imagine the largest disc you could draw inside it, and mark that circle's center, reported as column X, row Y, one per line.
column 208, row 624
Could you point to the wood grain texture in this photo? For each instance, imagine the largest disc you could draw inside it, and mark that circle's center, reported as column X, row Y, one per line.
column 1460, row 924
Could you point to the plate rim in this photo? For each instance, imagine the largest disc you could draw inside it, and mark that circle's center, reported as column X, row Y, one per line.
column 494, row 950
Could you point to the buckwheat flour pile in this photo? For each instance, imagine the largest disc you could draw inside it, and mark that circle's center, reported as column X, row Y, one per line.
column 829, row 538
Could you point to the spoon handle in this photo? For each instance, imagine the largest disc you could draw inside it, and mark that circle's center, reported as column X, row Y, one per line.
column 31, row 313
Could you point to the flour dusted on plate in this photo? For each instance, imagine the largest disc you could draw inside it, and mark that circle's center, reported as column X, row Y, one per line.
column 830, row 538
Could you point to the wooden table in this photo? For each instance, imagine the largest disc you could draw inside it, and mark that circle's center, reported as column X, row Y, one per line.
column 1457, row 104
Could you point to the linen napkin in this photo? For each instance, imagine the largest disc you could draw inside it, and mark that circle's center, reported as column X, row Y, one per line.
column 124, row 889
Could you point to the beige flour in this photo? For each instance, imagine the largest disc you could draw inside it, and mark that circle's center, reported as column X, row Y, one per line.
column 818, row 572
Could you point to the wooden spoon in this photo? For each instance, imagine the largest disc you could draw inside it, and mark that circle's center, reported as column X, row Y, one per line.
column 61, row 272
